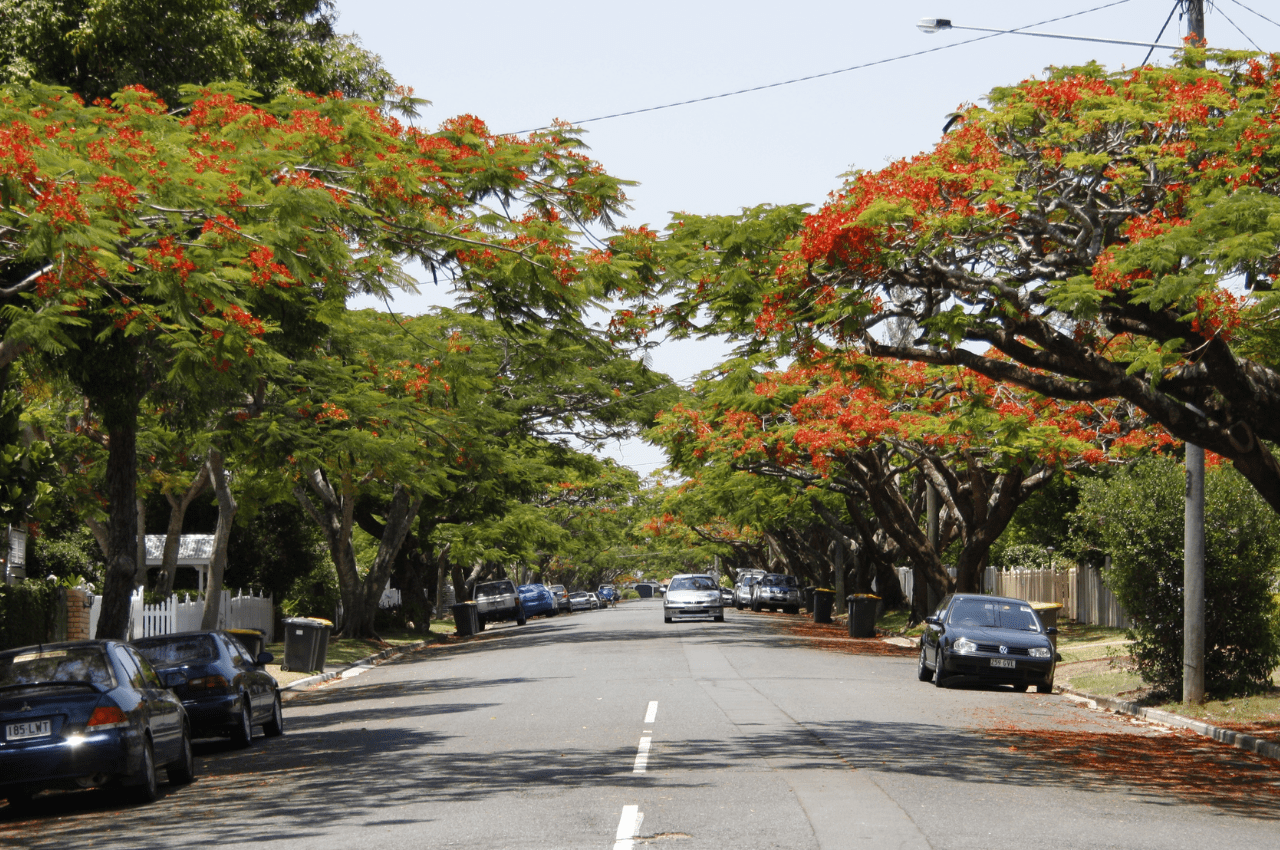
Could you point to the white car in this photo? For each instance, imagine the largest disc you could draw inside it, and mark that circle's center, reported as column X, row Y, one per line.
column 693, row 595
column 742, row 590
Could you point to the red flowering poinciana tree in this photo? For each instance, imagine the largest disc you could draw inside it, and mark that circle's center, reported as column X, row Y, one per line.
column 1089, row 236
column 186, row 253
column 876, row 432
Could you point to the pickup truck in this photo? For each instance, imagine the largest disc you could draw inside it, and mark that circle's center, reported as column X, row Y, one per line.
column 498, row 600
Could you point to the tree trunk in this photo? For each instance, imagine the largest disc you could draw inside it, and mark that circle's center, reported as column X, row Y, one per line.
column 404, row 508
column 140, row 559
column 122, row 530
column 173, row 533
column 336, row 518
column 218, row 565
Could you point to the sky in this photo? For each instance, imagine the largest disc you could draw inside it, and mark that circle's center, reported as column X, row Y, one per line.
column 878, row 89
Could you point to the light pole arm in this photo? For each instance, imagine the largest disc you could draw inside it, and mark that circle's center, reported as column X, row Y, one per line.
column 932, row 25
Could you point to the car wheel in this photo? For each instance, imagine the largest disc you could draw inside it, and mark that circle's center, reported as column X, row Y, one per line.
column 755, row 606
column 739, row 605
column 666, row 619
column 148, row 789
column 1045, row 687
column 1021, row 687
column 274, row 727
column 183, row 771
column 521, row 619
column 242, row 734
column 719, row 618
column 923, row 673
column 937, row 670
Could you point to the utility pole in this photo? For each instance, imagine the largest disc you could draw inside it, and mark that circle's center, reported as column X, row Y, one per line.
column 1193, row 516
column 1195, row 18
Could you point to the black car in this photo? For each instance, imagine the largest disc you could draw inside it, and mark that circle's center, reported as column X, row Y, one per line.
column 85, row 714
column 226, row 691
column 990, row 638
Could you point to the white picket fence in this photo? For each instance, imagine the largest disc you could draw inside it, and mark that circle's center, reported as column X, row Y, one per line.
column 179, row 615
column 1080, row 591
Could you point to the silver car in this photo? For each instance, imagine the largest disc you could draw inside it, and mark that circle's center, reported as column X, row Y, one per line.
column 777, row 593
column 693, row 595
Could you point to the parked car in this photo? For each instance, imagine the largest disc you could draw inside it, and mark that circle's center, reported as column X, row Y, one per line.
column 537, row 599
column 777, row 593
column 726, row 596
column 608, row 594
column 742, row 588
column 692, row 595
column 227, row 692
column 562, row 597
column 498, row 600
column 581, row 600
column 991, row 638
column 84, row 714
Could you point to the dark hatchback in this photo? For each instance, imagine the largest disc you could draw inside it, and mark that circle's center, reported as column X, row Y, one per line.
column 86, row 714
column 990, row 638
column 226, row 691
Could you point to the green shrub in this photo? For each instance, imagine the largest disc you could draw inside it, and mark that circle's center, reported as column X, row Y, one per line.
column 1137, row 518
column 28, row 613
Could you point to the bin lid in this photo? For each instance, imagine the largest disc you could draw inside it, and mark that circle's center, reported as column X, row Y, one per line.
column 1046, row 606
column 258, row 632
column 308, row 621
column 862, row 596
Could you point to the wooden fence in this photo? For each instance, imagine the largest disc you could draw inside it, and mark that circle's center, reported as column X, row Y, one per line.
column 1080, row 591
column 179, row 615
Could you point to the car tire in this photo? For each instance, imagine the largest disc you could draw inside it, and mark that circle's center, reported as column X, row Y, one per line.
column 938, row 681
column 242, row 734
column 274, row 727
column 719, row 618
column 1021, row 687
column 755, row 606
column 148, row 788
column 923, row 673
column 1045, row 687
column 183, row 771
column 521, row 619
column 666, row 619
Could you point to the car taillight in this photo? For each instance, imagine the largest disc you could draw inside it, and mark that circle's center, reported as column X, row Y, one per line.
column 208, row 683
column 107, row 717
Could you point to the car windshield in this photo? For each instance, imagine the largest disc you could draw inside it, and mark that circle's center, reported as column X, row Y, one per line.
column 989, row 614
column 177, row 649
column 76, row 664
column 749, row 580
column 780, row 581
column 692, row 583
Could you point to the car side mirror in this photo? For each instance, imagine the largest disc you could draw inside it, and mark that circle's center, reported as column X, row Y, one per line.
column 173, row 679
column 932, row 620
column 265, row 658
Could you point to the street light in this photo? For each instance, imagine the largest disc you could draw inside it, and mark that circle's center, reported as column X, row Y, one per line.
column 932, row 25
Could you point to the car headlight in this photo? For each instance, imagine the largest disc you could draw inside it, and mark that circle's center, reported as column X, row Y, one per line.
column 964, row 646
column 1040, row 652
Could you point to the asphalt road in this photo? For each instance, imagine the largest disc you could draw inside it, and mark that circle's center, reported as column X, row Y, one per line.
column 612, row 730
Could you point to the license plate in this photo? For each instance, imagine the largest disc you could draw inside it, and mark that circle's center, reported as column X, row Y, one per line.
column 1004, row 662
column 29, row 729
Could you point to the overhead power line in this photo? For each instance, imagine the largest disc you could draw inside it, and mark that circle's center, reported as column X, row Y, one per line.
column 1255, row 11
column 860, row 67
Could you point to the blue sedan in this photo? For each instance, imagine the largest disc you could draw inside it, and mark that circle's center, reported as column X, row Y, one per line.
column 85, row 714
column 537, row 599
column 226, row 690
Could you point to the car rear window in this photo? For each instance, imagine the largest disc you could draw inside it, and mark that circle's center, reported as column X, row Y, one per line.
column 172, row 650
column 79, row 664
column 993, row 615
column 495, row 588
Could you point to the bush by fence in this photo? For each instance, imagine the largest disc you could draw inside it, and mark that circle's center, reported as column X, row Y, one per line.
column 28, row 613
